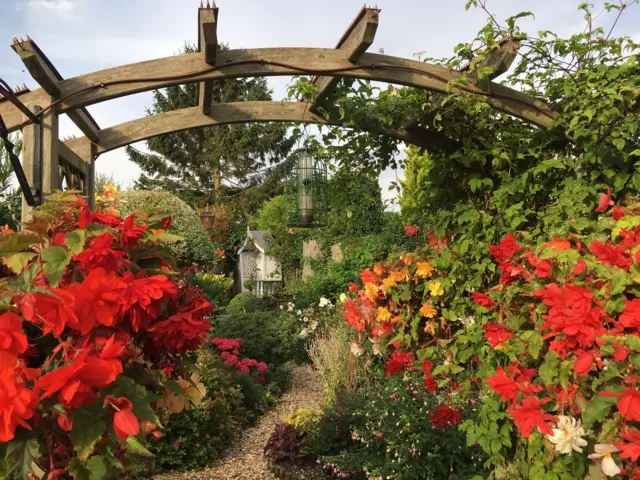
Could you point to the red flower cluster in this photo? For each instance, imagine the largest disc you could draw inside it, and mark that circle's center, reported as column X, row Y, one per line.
column 73, row 327
column 443, row 416
column 229, row 348
column 398, row 362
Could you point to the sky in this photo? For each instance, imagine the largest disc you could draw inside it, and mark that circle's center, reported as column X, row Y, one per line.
column 82, row 36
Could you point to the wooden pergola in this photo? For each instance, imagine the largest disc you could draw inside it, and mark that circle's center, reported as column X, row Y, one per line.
column 47, row 161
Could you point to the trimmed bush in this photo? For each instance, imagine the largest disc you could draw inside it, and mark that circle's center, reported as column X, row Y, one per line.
column 244, row 302
column 196, row 248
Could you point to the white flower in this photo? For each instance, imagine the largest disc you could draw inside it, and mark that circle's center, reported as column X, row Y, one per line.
column 313, row 325
column 290, row 307
column 281, row 307
column 305, row 319
column 355, row 349
column 467, row 320
column 609, row 466
column 299, row 312
column 568, row 435
column 304, row 333
column 376, row 346
column 324, row 302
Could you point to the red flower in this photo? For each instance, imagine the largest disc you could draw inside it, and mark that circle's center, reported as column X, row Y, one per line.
column 220, row 252
column 125, row 423
column 130, row 234
column 13, row 341
column 605, row 201
column 482, row 300
column 429, row 382
column 76, row 382
column 99, row 300
column 630, row 316
column 530, row 415
column 367, row 276
column 611, row 255
column 583, row 364
column 398, row 362
column 630, row 450
column 543, row 269
column 184, row 330
column 618, row 213
column 558, row 244
column 143, row 297
column 105, row 219
column 504, row 385
column 101, row 255
column 579, row 268
column 166, row 222
column 629, row 403
column 17, row 404
column 353, row 316
column 410, row 231
column 65, row 422
column 505, row 250
column 443, row 416
column 620, row 354
column 496, row 333
column 54, row 310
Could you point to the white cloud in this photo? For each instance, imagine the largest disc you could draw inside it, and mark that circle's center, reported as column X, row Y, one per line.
column 62, row 8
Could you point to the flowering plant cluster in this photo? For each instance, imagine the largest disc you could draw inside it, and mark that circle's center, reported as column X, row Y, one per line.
column 93, row 324
column 229, row 349
column 311, row 317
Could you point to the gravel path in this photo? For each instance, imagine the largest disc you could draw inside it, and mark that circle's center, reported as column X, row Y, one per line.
column 244, row 460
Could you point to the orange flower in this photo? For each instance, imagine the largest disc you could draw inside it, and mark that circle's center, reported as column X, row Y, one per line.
column 371, row 289
column 430, row 327
column 387, row 283
column 378, row 269
column 423, row 270
column 408, row 259
column 400, row 276
column 428, row 311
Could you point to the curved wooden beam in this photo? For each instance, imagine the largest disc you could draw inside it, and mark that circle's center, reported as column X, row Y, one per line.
column 230, row 113
column 140, row 77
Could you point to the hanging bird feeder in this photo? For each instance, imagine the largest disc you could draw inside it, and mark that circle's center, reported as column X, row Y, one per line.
column 306, row 202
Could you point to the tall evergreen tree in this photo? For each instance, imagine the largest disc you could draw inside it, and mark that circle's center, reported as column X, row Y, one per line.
column 193, row 164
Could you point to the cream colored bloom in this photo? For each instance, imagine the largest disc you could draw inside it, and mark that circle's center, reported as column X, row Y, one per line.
column 567, row 437
column 355, row 349
column 608, row 465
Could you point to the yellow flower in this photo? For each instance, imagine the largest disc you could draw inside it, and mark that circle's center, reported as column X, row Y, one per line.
column 371, row 289
column 436, row 289
column 383, row 314
column 428, row 311
column 400, row 276
column 424, row 270
column 109, row 190
column 387, row 283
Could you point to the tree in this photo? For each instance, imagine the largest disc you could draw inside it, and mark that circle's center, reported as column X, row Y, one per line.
column 193, row 164
column 10, row 198
column 416, row 173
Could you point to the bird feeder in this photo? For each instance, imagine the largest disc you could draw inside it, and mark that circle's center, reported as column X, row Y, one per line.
column 305, row 194
column 207, row 219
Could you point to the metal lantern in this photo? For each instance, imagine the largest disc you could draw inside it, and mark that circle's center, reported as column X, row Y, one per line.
column 207, row 219
column 305, row 193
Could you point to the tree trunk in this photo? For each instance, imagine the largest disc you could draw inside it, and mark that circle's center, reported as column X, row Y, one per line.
column 217, row 181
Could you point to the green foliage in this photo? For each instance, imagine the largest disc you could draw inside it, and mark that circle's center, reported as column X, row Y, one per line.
column 398, row 441
column 304, row 420
column 196, row 248
column 244, row 302
column 10, row 199
column 215, row 287
column 269, row 337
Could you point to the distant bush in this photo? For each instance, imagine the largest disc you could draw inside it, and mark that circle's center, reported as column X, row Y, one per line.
column 244, row 302
column 215, row 287
column 196, row 248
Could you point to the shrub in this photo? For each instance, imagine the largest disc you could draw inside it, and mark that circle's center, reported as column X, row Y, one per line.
column 408, row 434
column 244, row 302
column 304, row 420
column 283, row 443
column 196, row 247
column 269, row 337
column 215, row 287
column 95, row 326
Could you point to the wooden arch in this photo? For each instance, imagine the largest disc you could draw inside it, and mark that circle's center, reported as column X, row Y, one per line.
column 46, row 158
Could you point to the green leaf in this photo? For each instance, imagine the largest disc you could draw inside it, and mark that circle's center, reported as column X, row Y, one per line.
column 55, row 260
column 17, row 261
column 88, row 427
column 597, row 409
column 619, row 143
column 626, row 223
column 549, row 367
column 75, row 241
column 78, row 470
column 16, row 243
column 98, row 468
column 134, row 445
column 25, row 454
column 535, row 344
column 139, row 396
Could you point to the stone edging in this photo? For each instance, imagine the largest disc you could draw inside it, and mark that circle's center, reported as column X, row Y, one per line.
column 281, row 472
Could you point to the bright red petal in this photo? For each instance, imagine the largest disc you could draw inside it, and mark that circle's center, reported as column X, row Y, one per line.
column 125, row 423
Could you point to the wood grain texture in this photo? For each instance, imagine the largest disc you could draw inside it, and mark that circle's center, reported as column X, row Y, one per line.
column 356, row 40
column 207, row 44
column 28, row 160
column 182, row 69
column 43, row 72
column 229, row 113
column 49, row 146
